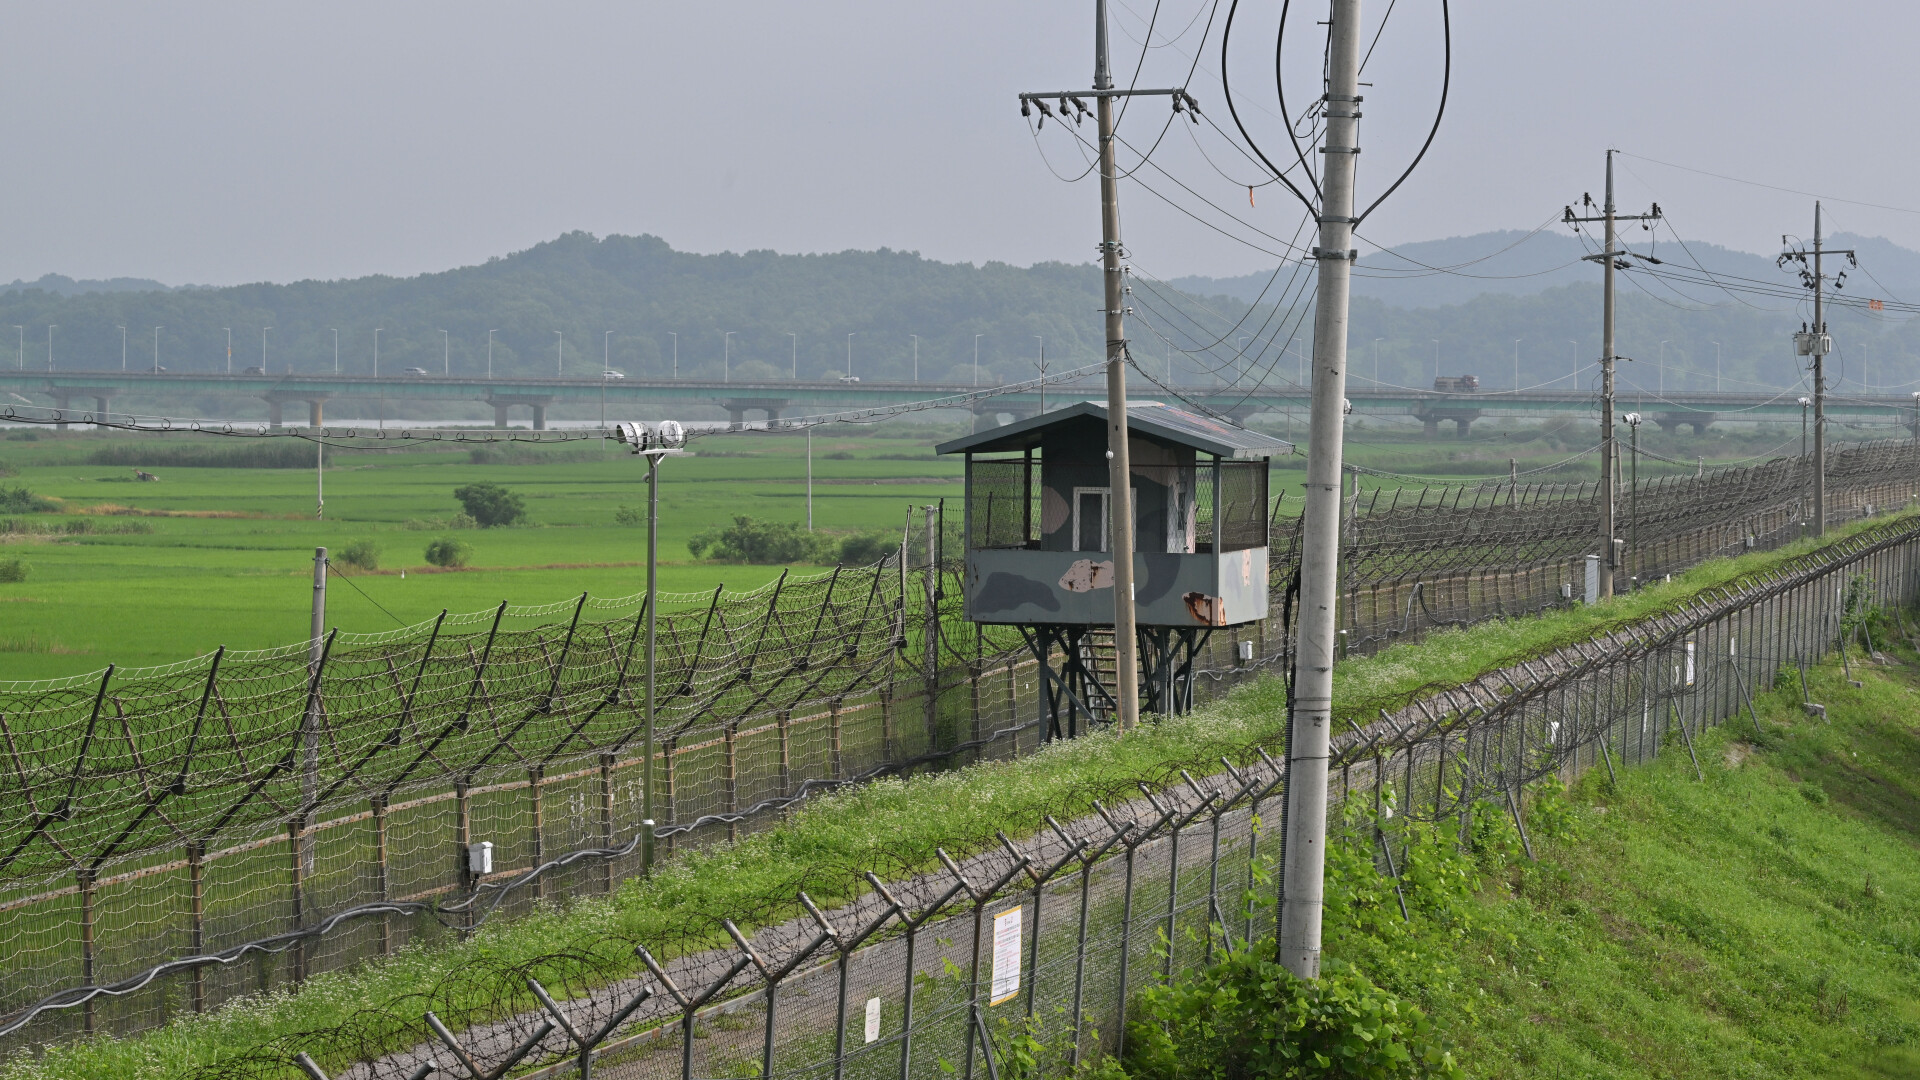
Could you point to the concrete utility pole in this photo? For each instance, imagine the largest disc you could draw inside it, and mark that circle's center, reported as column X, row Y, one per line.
column 1817, row 343
column 310, row 723
column 1303, row 884
column 1610, row 261
column 1119, row 465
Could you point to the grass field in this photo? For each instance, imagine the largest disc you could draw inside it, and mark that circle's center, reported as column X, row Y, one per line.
column 243, row 578
column 228, row 558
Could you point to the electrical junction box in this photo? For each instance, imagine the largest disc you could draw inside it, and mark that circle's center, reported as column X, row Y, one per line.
column 1246, row 652
column 480, row 857
column 1808, row 343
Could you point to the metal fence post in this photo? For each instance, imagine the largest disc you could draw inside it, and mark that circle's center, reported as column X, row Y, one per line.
column 84, row 876
column 197, row 919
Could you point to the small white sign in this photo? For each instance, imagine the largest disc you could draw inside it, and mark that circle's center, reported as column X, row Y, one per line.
column 1006, row 956
column 873, row 1019
column 1689, row 663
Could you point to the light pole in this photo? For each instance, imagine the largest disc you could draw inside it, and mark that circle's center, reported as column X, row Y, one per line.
column 490, row 334
column 1716, row 367
column 1663, row 367
column 916, row 356
column 606, row 361
column 560, row 354
column 123, row 348
column 229, row 331
column 376, row 352
column 794, row 374
column 1436, row 361
column 1804, row 402
column 1633, row 500
column 263, row 349
column 976, row 362
column 850, row 354
column 1574, row 379
column 446, row 354
column 50, row 327
column 1042, row 364
column 726, row 357
column 676, row 353
column 336, row 349
column 668, row 438
column 1516, row 364
column 156, row 349
column 23, row 345
column 1376, row 362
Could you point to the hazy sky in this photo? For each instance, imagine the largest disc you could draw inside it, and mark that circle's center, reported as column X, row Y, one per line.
column 224, row 143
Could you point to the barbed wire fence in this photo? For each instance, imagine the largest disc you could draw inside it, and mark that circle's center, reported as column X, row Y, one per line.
column 175, row 837
column 1042, row 944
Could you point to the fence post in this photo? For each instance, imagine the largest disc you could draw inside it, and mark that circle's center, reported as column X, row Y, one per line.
column 667, row 753
column 535, row 777
column 84, row 876
column 197, row 919
column 783, row 720
column 835, row 763
column 382, row 878
column 606, row 820
column 295, row 837
column 1013, row 704
column 463, row 836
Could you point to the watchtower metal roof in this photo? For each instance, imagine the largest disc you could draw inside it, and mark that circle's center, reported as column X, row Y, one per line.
column 1149, row 418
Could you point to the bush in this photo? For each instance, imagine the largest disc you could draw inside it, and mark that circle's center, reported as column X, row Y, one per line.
column 864, row 549
column 447, row 551
column 491, row 504
column 19, row 500
column 1247, row 1016
column 629, row 516
column 361, row 555
column 750, row 541
column 13, row 570
column 267, row 454
column 776, row 542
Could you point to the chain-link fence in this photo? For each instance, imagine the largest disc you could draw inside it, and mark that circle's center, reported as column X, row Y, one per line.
column 174, row 837
column 1051, row 938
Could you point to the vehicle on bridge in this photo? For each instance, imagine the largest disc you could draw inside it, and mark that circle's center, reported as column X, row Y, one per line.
column 415, row 371
column 612, row 374
column 1457, row 384
column 255, row 370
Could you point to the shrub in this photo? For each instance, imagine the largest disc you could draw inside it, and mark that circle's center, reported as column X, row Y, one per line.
column 447, row 551
column 629, row 516
column 13, row 570
column 19, row 500
column 490, row 504
column 1246, row 1015
column 863, row 549
column 361, row 555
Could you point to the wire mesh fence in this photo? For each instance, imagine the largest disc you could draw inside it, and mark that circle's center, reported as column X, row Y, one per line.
column 1046, row 942
column 174, row 837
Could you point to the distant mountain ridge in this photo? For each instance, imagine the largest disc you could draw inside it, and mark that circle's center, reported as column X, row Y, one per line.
column 62, row 285
column 1454, row 270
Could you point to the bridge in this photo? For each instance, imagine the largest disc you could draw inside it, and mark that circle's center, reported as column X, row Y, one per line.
column 776, row 400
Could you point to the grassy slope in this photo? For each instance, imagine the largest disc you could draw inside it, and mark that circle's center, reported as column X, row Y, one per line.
column 1762, row 923
column 883, row 827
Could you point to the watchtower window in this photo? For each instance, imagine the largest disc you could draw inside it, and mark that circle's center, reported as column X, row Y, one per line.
column 1090, row 518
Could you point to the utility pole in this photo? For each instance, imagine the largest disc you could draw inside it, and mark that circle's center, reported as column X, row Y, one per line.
column 1304, row 858
column 1119, row 466
column 1816, row 342
column 310, row 724
column 1610, row 261
column 229, row 331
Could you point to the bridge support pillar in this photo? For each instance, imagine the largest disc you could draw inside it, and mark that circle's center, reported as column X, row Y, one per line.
column 736, row 419
column 63, row 397
column 314, row 413
column 537, row 402
column 499, row 415
column 273, row 412
column 539, row 418
column 1430, row 426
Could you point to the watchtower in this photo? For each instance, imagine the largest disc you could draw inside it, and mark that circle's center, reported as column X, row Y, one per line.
column 1038, row 556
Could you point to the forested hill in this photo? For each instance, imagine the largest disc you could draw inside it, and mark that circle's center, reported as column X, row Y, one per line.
column 655, row 299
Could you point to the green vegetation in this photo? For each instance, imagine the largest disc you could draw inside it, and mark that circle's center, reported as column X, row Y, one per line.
column 448, row 551
column 776, row 542
column 491, row 504
column 19, row 500
column 132, row 574
column 887, row 827
column 13, row 570
column 361, row 555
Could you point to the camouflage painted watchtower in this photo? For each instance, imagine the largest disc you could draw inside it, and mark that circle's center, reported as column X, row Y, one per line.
column 1038, row 555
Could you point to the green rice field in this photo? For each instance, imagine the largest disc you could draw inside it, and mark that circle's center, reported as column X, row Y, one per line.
column 228, row 559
